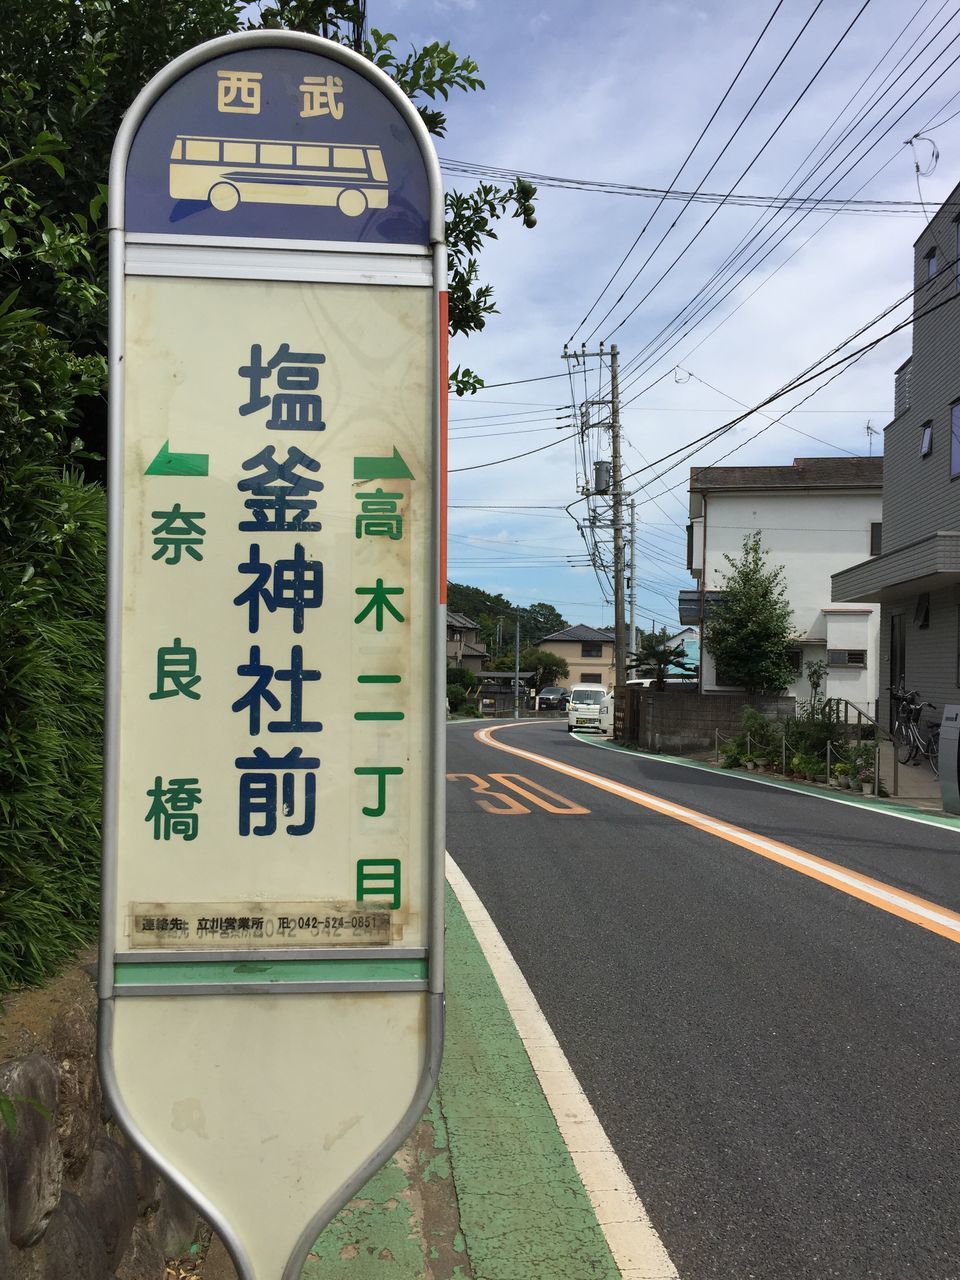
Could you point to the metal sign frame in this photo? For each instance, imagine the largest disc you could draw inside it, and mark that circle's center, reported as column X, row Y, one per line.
column 246, row 259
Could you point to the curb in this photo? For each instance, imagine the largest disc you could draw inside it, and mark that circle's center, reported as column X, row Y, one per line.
column 890, row 808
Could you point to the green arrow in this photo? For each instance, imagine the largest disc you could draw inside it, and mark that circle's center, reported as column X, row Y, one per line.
column 178, row 464
column 382, row 468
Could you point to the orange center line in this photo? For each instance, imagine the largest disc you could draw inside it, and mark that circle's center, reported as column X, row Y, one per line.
column 896, row 902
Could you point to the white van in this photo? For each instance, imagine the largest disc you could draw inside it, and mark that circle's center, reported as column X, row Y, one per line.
column 591, row 707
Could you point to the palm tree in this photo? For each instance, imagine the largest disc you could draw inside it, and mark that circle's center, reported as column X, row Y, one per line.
column 657, row 658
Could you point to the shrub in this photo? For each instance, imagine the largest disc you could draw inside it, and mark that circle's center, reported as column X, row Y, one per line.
column 52, row 592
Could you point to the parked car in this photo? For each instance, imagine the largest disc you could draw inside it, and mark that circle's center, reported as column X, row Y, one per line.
column 554, row 699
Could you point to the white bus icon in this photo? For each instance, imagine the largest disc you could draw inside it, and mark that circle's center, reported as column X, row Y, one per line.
column 226, row 171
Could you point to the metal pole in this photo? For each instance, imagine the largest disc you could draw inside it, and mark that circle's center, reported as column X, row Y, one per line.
column 633, row 575
column 716, row 743
column 876, row 770
column 829, row 745
column 619, row 627
column 516, row 672
column 783, row 753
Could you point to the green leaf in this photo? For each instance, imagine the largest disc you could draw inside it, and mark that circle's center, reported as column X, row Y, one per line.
column 55, row 164
column 8, row 1114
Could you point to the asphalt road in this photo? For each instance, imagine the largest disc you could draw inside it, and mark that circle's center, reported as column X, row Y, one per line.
column 776, row 1063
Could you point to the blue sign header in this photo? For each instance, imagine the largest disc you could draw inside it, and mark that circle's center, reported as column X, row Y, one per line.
column 277, row 143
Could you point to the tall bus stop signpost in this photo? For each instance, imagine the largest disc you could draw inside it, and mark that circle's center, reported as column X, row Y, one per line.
column 271, row 964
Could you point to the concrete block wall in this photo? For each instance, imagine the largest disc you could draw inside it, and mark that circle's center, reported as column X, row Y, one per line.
column 681, row 720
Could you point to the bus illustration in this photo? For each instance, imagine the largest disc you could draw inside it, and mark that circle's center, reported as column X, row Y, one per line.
column 226, row 171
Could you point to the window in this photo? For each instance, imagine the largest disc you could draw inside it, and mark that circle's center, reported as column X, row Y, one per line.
column 931, row 260
column 846, row 657
column 348, row 158
column 921, row 614
column 275, row 153
column 316, row 157
column 955, row 439
column 876, row 537
column 246, row 152
column 203, row 149
column 591, row 649
column 795, row 658
column 590, row 677
column 177, row 152
column 926, row 440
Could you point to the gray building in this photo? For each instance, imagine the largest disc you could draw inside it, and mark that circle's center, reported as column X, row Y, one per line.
column 916, row 575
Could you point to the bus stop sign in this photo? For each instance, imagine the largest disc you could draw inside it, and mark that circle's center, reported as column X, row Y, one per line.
column 271, row 957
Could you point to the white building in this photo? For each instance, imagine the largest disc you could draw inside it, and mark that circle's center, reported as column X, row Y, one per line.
column 815, row 518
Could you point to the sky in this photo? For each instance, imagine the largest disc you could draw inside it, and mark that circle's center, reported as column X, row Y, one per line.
column 618, row 92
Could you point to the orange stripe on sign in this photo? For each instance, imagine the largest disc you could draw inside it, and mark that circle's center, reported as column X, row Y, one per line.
column 442, row 478
column 896, row 902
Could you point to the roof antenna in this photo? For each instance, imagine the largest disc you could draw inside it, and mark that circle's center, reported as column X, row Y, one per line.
column 871, row 432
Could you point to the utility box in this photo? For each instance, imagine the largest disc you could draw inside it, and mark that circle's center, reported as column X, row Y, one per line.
column 950, row 758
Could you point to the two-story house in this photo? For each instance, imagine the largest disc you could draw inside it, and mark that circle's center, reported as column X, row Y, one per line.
column 587, row 651
column 464, row 646
column 916, row 577
column 812, row 516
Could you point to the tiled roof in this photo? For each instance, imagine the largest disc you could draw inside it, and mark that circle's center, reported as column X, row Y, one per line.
column 579, row 632
column 805, row 473
column 462, row 621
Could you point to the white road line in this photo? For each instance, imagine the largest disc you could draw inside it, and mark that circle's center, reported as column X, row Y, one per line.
column 637, row 1249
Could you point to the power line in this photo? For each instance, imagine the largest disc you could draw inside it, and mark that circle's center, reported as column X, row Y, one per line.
column 703, row 296
column 783, row 119
column 804, row 378
column 739, row 200
column 686, row 160
column 513, row 458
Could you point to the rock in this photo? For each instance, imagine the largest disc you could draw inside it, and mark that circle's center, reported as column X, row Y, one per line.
column 6, row 1248
column 74, row 1049
column 33, row 1157
column 146, row 1180
column 72, row 1248
column 143, row 1260
column 107, row 1189
column 174, row 1225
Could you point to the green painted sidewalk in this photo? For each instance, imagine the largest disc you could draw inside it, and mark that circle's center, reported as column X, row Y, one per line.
column 485, row 1189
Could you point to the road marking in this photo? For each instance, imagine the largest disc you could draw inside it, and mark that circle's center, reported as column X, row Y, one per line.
column 637, row 1249
column 548, row 800
column 896, row 902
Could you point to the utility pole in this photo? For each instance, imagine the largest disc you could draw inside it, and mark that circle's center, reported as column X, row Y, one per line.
column 633, row 575
column 516, row 672
column 619, row 618
column 619, row 628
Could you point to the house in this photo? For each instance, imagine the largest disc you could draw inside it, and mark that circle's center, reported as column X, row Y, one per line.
column 688, row 639
column 813, row 517
column 916, row 576
column 464, row 647
column 587, row 651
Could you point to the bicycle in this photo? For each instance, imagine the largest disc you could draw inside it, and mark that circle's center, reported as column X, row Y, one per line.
column 908, row 737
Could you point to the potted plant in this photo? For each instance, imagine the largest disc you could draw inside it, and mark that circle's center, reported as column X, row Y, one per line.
column 809, row 767
column 866, row 779
column 761, row 762
column 748, row 761
column 841, row 773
